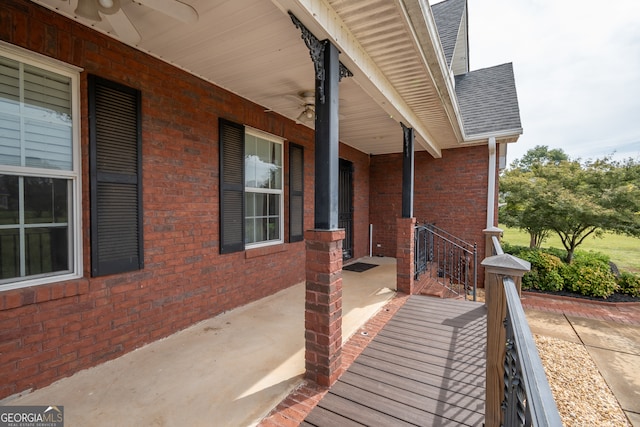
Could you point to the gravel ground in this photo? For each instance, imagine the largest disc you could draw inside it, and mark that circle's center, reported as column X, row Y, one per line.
column 581, row 394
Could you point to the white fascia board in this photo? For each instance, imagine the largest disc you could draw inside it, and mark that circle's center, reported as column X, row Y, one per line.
column 427, row 39
column 481, row 138
column 326, row 23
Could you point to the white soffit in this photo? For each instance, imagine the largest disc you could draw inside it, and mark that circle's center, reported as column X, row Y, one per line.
column 251, row 48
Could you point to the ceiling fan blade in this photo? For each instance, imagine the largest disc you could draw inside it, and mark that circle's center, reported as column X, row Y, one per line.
column 123, row 27
column 174, row 8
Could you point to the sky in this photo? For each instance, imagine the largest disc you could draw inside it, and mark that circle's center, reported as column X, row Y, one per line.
column 577, row 70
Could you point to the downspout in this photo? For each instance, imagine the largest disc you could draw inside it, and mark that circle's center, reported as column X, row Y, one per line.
column 491, row 190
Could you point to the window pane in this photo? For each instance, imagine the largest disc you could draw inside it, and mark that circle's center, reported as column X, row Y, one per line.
column 276, row 178
column 9, row 84
column 277, row 154
column 47, row 145
column 45, row 200
column 261, row 229
column 261, row 204
column 47, row 95
column 249, row 230
column 9, row 139
column 273, row 229
column 9, row 253
column 250, row 145
column 249, row 205
column 9, row 112
column 40, row 133
column 263, row 163
column 47, row 250
column 9, row 200
column 274, row 204
column 264, row 150
column 250, row 161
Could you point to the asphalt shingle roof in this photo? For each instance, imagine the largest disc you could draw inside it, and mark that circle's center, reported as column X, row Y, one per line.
column 488, row 100
column 448, row 16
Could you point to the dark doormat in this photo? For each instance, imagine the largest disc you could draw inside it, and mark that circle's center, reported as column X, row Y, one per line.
column 359, row 267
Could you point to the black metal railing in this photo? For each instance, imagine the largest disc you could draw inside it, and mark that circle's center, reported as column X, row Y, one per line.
column 527, row 396
column 451, row 261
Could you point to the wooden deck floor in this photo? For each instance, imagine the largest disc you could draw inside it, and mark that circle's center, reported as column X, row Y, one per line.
column 426, row 367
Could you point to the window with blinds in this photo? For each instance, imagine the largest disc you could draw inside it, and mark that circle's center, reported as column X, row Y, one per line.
column 251, row 188
column 116, row 177
column 39, row 190
column 35, row 117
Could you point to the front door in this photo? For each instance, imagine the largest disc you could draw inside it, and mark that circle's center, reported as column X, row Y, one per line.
column 345, row 207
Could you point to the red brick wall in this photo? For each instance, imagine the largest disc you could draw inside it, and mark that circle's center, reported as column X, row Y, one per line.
column 51, row 331
column 450, row 191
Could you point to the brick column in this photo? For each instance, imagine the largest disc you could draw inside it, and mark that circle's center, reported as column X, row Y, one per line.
column 323, row 306
column 405, row 245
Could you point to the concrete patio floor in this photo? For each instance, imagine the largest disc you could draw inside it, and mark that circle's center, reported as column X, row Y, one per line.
column 230, row 370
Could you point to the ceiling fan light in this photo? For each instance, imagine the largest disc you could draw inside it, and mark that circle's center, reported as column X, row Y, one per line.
column 309, row 113
column 109, row 7
column 88, row 9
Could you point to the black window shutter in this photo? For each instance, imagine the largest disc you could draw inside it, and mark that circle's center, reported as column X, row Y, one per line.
column 115, row 157
column 296, row 193
column 231, row 187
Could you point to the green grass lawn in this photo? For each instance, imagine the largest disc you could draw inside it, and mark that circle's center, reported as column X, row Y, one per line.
column 623, row 250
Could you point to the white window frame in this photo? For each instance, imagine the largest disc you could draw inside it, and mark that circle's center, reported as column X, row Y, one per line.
column 275, row 139
column 74, row 175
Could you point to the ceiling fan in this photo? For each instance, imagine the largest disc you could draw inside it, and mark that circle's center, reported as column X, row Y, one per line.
column 306, row 100
column 122, row 25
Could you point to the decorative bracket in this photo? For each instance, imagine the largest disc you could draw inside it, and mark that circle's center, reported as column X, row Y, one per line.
column 316, row 51
column 406, row 133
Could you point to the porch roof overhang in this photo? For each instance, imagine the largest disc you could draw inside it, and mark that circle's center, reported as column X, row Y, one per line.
column 251, row 48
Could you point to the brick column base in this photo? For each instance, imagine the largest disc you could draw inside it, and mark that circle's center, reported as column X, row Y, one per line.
column 405, row 255
column 323, row 306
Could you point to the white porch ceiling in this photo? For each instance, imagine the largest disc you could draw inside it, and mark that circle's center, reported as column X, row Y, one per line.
column 252, row 48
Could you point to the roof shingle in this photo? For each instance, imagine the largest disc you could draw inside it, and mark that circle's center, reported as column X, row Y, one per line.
column 448, row 17
column 488, row 100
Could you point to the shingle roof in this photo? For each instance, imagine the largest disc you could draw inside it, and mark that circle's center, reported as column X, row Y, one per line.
column 488, row 100
column 448, row 16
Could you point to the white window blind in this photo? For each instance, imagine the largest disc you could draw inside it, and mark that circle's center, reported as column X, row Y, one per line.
column 35, row 117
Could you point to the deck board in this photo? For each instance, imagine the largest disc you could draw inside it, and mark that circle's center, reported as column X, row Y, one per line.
column 426, row 367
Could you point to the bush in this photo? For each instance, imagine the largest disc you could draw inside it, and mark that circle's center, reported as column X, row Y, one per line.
column 545, row 271
column 629, row 284
column 589, row 274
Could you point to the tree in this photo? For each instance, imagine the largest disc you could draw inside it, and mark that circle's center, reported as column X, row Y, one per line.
column 519, row 186
column 540, row 154
column 519, row 194
column 573, row 200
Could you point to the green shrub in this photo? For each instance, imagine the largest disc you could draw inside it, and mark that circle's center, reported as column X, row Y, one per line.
column 592, row 257
column 629, row 283
column 590, row 275
column 512, row 249
column 545, row 271
column 560, row 253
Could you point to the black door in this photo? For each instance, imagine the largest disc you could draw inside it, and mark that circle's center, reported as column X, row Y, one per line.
column 345, row 207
